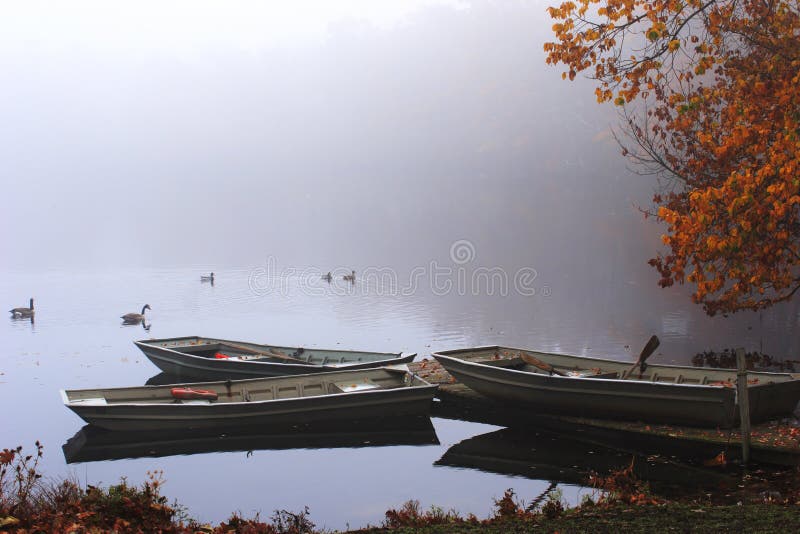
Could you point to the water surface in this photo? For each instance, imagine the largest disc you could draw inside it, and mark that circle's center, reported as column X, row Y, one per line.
column 77, row 341
column 486, row 197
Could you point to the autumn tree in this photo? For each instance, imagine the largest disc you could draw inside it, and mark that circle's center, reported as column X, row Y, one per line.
column 710, row 94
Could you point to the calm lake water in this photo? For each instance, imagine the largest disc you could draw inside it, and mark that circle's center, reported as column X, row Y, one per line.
column 77, row 341
column 480, row 198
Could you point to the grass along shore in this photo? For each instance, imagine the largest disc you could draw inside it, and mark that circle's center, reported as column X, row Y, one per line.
column 620, row 502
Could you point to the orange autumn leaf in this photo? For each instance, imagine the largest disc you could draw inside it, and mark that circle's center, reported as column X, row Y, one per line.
column 718, row 460
column 720, row 86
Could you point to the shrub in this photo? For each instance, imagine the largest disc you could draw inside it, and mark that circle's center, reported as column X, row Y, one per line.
column 622, row 486
column 507, row 507
column 409, row 515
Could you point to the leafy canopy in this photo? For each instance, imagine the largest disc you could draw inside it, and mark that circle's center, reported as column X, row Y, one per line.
column 710, row 91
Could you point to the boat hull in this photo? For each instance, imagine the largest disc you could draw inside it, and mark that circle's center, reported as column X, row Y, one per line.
column 169, row 356
column 684, row 404
column 309, row 410
column 304, row 399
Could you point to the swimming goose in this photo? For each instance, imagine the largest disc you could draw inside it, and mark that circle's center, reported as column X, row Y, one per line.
column 23, row 312
column 209, row 278
column 135, row 318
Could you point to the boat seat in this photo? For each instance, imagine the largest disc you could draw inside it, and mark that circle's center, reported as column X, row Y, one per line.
column 635, row 376
column 347, row 387
column 505, row 362
column 93, row 401
column 588, row 373
column 668, row 379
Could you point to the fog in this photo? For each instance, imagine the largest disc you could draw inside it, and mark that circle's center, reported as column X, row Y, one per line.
column 144, row 143
column 357, row 142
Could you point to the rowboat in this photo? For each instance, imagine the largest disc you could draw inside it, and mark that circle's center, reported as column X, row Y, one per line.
column 91, row 444
column 214, row 359
column 339, row 395
column 610, row 389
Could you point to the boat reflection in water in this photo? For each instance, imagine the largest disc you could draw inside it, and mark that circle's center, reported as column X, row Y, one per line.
column 92, row 444
column 162, row 379
column 543, row 455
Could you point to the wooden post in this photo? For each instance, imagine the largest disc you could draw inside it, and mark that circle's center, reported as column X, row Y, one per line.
column 742, row 399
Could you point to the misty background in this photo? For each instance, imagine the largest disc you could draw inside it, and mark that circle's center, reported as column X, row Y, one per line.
column 143, row 144
column 240, row 136
column 356, row 143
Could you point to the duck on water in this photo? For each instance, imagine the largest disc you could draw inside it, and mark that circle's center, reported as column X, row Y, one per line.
column 135, row 318
column 23, row 312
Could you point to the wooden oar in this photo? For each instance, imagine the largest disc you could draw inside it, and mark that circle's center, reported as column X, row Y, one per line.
column 273, row 353
column 544, row 366
column 648, row 349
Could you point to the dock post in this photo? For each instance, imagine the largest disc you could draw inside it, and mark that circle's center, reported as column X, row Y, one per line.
column 742, row 399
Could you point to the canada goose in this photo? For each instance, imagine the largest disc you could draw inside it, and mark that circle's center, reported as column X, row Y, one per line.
column 135, row 318
column 209, row 278
column 23, row 312
column 350, row 277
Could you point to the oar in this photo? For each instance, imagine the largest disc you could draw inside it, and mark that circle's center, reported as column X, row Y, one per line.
column 536, row 362
column 648, row 349
column 273, row 353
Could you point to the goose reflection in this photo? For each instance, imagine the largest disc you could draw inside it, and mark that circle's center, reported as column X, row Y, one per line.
column 144, row 324
column 24, row 319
